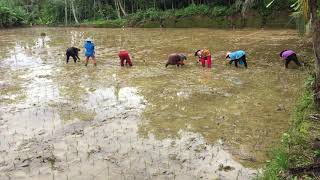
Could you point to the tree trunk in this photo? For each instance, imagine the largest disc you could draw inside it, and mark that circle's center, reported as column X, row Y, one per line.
column 122, row 9
column 94, row 9
column 65, row 12
column 316, row 46
column 74, row 12
column 117, row 8
column 308, row 169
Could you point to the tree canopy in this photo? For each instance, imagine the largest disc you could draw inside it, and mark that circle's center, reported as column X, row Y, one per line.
column 74, row 11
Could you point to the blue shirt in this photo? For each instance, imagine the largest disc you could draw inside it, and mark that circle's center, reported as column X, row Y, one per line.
column 89, row 46
column 237, row 55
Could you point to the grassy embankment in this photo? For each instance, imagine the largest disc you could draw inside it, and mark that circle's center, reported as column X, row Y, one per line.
column 297, row 145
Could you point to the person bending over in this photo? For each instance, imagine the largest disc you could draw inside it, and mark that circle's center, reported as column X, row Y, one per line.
column 238, row 57
column 288, row 56
column 124, row 57
column 204, row 56
column 176, row 59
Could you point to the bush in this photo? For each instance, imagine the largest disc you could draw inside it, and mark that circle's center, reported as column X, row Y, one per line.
column 193, row 10
column 11, row 17
column 168, row 13
column 219, row 11
column 137, row 17
column 53, row 12
column 153, row 14
column 107, row 12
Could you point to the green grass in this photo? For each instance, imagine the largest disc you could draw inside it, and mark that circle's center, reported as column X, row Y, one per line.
column 295, row 148
column 277, row 165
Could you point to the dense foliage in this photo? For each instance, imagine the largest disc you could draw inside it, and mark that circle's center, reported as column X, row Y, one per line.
column 75, row 11
column 11, row 16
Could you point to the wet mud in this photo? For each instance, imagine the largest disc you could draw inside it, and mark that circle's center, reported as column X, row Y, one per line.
column 68, row 121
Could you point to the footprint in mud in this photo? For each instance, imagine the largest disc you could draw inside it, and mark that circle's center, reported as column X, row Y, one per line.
column 78, row 132
column 225, row 168
column 3, row 84
column 94, row 150
column 112, row 159
column 26, row 163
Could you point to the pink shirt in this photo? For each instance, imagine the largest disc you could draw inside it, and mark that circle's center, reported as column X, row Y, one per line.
column 287, row 53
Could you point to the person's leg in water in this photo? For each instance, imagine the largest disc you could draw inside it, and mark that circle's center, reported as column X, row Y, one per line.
column 94, row 60
column 122, row 61
column 287, row 63
column 293, row 58
column 244, row 60
column 236, row 62
column 203, row 62
column 128, row 61
column 87, row 60
column 209, row 62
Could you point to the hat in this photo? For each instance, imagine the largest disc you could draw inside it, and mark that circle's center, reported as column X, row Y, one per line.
column 183, row 56
column 282, row 52
column 88, row 40
column 228, row 53
column 196, row 53
column 205, row 53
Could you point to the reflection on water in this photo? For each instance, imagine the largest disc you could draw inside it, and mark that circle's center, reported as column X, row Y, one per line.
column 21, row 57
column 147, row 114
column 114, row 101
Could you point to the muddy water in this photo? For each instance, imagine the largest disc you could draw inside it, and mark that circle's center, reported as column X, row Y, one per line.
column 61, row 121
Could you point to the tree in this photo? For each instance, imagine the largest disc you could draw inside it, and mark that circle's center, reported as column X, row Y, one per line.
column 74, row 12
column 315, row 23
column 117, row 8
column 65, row 12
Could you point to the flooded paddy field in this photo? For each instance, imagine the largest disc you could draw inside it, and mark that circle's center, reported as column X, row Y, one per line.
column 68, row 121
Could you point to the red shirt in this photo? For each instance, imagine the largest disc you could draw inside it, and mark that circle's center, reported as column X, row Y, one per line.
column 124, row 55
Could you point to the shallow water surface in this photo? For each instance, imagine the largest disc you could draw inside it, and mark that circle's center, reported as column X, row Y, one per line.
column 68, row 121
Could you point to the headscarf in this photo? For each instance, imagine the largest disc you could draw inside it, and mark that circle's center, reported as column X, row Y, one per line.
column 183, row 57
column 205, row 53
